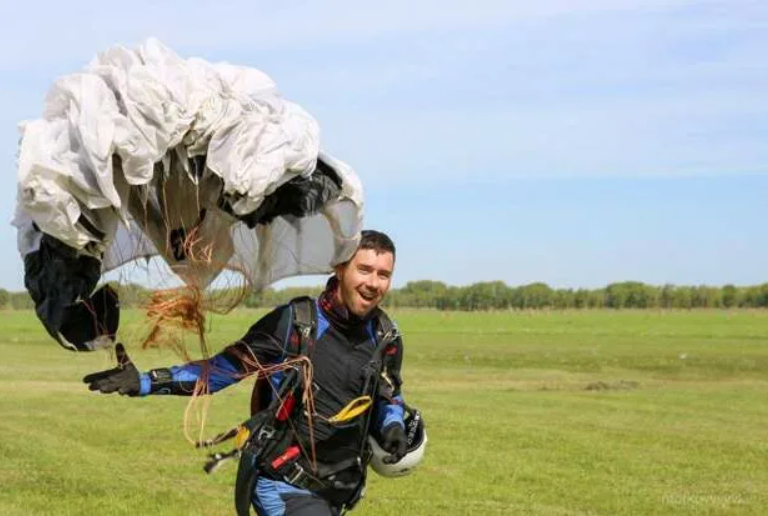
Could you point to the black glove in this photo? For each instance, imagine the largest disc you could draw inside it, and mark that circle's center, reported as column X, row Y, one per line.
column 124, row 378
column 394, row 441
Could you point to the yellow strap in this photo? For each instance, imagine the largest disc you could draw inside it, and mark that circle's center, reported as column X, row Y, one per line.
column 242, row 436
column 353, row 409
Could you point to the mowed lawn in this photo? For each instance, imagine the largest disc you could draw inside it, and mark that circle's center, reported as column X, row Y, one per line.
column 546, row 413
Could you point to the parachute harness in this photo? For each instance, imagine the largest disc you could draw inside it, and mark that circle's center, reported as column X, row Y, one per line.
column 298, row 372
column 297, row 384
column 268, row 442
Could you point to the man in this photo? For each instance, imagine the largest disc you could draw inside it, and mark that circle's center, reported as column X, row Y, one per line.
column 315, row 466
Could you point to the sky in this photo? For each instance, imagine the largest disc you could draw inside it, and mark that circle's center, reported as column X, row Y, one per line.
column 574, row 142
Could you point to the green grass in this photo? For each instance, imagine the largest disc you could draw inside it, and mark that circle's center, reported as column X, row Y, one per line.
column 544, row 413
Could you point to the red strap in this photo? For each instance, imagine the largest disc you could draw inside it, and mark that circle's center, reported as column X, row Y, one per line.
column 286, row 407
column 291, row 453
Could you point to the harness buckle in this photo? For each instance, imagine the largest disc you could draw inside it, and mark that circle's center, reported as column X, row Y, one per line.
column 265, row 432
column 298, row 476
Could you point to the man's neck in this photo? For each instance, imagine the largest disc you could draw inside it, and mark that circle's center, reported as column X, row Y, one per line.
column 338, row 313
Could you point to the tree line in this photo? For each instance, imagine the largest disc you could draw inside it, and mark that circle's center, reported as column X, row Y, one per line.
column 496, row 295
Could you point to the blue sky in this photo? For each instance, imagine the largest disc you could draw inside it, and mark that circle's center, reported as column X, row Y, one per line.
column 572, row 142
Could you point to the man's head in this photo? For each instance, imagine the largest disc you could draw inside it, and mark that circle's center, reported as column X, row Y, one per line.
column 366, row 277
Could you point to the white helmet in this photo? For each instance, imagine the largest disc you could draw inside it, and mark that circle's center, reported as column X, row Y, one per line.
column 416, row 436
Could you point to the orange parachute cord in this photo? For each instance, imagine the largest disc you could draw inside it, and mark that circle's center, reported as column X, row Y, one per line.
column 174, row 311
column 254, row 367
column 184, row 309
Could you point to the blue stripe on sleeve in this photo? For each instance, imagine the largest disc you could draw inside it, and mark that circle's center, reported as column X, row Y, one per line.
column 145, row 384
column 222, row 373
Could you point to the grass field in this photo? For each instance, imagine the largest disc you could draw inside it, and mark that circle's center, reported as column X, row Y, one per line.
column 574, row 413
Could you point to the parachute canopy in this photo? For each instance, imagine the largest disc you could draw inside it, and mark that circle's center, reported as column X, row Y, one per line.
column 205, row 165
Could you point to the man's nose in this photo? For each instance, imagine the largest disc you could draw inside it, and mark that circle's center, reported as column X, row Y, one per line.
column 372, row 282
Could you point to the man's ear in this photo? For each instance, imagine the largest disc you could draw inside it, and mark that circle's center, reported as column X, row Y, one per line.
column 339, row 269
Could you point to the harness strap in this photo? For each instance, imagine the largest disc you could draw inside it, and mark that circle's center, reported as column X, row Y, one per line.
column 386, row 334
column 287, row 465
column 263, row 438
column 386, row 328
column 305, row 322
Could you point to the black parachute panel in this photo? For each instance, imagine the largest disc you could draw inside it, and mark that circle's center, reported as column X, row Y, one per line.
column 60, row 282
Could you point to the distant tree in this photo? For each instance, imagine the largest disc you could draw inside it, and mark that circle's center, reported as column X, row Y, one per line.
column 667, row 296
column 597, row 298
column 536, row 295
column 563, row 298
column 424, row 293
column 728, row 294
column 449, row 300
column 616, row 295
column 682, row 297
column 581, row 298
column 490, row 295
column 21, row 301
column 756, row 296
column 709, row 297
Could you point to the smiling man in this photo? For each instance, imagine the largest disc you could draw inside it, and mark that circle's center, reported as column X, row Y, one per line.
column 309, row 466
column 365, row 279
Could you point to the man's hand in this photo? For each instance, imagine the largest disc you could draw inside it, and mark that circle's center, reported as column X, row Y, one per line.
column 394, row 441
column 124, row 378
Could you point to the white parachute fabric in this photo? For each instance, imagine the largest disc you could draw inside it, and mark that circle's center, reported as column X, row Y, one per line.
column 143, row 144
column 289, row 244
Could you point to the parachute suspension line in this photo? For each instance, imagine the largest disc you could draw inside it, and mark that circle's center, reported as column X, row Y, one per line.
column 307, row 395
column 200, row 391
column 163, row 198
column 308, row 404
column 180, row 308
column 254, row 368
column 184, row 309
column 99, row 328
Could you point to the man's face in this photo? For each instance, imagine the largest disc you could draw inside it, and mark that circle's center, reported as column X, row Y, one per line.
column 364, row 280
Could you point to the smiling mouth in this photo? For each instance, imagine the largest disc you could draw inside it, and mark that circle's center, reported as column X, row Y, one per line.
column 367, row 297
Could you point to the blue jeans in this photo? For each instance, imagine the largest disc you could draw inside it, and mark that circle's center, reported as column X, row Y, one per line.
column 275, row 498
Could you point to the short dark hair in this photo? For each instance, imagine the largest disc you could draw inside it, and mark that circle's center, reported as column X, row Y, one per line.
column 376, row 240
